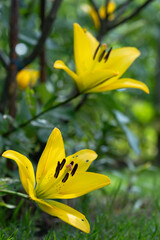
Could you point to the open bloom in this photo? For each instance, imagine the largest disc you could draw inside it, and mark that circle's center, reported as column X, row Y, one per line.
column 99, row 70
column 27, row 78
column 103, row 12
column 59, row 177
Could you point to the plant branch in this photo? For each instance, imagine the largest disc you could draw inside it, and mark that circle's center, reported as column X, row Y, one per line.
column 46, row 30
column 12, row 69
column 14, row 193
column 40, row 114
column 4, row 59
column 42, row 56
column 133, row 14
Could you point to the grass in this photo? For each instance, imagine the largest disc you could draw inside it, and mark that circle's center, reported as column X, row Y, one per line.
column 128, row 209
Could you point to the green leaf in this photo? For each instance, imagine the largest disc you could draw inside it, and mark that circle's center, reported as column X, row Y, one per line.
column 3, row 204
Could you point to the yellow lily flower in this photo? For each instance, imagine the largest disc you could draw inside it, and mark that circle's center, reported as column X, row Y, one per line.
column 59, row 177
column 27, row 78
column 98, row 70
column 103, row 11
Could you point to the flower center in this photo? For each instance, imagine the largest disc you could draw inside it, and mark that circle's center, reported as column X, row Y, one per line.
column 65, row 175
column 101, row 54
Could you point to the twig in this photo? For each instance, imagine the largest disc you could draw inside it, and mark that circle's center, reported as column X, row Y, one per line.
column 40, row 114
column 123, row 5
column 46, row 30
column 42, row 54
column 80, row 104
column 12, row 70
column 4, row 59
column 133, row 14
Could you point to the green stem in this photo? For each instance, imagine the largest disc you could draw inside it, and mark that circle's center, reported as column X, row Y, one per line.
column 14, row 193
column 40, row 114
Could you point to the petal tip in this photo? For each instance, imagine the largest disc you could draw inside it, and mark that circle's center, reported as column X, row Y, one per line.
column 58, row 64
column 5, row 154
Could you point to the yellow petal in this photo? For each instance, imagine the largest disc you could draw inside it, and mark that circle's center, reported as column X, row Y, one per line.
column 65, row 213
column 26, row 171
column 93, row 79
column 60, row 65
column 82, row 159
column 82, row 50
column 81, row 184
column 120, row 59
column 121, row 83
column 53, row 152
column 92, row 41
column 94, row 17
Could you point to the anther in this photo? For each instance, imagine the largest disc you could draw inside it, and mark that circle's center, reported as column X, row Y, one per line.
column 57, row 170
column 74, row 169
column 62, row 163
column 107, row 54
column 95, row 53
column 65, row 178
column 101, row 56
column 72, row 163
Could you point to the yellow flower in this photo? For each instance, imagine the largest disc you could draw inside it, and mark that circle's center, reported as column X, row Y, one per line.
column 27, row 78
column 99, row 70
column 103, row 11
column 59, row 177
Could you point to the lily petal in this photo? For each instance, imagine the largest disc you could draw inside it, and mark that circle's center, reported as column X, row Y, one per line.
column 82, row 184
column 92, row 41
column 121, row 83
column 82, row 50
column 65, row 213
column 53, row 152
column 83, row 158
column 60, row 65
column 93, row 79
column 120, row 59
column 26, row 171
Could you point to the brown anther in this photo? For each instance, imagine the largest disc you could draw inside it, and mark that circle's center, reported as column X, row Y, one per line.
column 101, row 56
column 65, row 178
column 62, row 163
column 107, row 54
column 95, row 53
column 74, row 169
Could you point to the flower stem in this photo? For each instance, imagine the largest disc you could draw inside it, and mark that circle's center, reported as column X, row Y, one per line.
column 40, row 114
column 14, row 193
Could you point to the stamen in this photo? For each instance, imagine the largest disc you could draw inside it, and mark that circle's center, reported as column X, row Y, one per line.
column 95, row 53
column 101, row 56
column 62, row 163
column 57, row 170
column 65, row 178
column 107, row 55
column 72, row 163
column 74, row 169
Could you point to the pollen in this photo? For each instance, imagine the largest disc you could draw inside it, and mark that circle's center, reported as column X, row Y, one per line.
column 69, row 166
